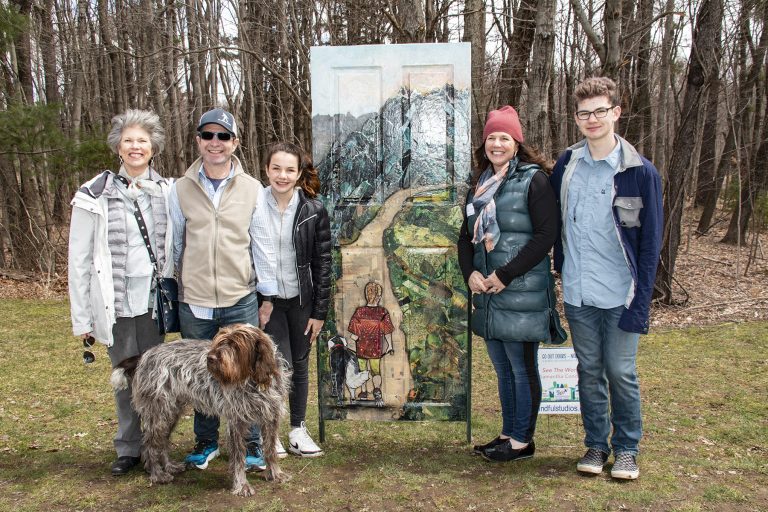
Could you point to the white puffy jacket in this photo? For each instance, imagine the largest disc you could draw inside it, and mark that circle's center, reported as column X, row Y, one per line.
column 91, row 290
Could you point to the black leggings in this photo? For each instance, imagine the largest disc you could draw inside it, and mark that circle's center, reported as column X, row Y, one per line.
column 286, row 326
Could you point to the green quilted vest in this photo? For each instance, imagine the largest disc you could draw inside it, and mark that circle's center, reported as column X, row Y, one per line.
column 525, row 309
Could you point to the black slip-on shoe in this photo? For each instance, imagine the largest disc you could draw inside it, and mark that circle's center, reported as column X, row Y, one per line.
column 124, row 464
column 505, row 453
column 478, row 449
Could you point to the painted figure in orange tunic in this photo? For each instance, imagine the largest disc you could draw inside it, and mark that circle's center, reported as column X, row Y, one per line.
column 371, row 328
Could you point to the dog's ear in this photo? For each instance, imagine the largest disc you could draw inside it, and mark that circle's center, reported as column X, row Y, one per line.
column 264, row 364
column 229, row 358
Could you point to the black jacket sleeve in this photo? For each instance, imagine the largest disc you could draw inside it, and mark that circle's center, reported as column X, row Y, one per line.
column 542, row 207
column 465, row 249
column 320, row 264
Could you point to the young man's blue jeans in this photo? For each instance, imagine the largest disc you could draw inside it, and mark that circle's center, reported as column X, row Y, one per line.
column 607, row 367
column 245, row 311
column 517, row 370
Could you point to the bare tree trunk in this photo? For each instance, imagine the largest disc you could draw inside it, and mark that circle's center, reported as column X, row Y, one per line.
column 48, row 51
column 177, row 111
column 639, row 122
column 514, row 71
column 196, row 67
column 540, row 77
column 707, row 159
column 60, row 183
column 409, row 22
column 474, row 32
column 662, row 120
column 111, row 74
column 613, row 48
column 750, row 175
column 727, row 161
column 704, row 52
column 23, row 46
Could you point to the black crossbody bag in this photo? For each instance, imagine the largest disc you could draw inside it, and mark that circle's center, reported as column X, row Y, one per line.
column 166, row 288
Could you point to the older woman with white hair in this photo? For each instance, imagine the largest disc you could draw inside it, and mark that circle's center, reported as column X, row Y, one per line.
column 110, row 269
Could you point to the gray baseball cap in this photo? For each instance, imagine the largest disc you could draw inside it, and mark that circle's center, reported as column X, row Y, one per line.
column 220, row 117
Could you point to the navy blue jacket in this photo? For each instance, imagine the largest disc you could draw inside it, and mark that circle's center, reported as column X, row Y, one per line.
column 639, row 218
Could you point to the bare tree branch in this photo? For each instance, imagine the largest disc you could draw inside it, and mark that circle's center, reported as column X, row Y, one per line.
column 597, row 44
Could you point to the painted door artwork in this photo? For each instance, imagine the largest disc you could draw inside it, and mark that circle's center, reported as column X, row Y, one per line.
column 391, row 140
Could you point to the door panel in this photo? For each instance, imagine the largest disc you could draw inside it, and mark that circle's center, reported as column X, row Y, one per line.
column 391, row 142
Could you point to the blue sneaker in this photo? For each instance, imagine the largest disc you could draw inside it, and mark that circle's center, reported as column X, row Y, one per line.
column 254, row 458
column 205, row 451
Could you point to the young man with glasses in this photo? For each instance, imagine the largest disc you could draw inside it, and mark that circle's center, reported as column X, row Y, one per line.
column 223, row 256
column 612, row 222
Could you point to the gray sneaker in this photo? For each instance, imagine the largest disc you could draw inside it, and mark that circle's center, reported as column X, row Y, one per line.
column 592, row 462
column 625, row 467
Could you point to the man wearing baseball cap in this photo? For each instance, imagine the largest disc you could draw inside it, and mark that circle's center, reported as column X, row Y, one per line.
column 223, row 254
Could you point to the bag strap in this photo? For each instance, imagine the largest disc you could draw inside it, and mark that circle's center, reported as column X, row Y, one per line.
column 142, row 226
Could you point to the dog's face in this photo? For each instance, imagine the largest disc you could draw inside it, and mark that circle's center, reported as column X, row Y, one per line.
column 242, row 351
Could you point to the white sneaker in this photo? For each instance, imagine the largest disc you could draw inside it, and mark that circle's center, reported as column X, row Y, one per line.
column 301, row 444
column 281, row 453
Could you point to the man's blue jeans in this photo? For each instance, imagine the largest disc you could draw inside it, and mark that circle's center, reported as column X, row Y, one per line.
column 607, row 366
column 246, row 311
column 517, row 370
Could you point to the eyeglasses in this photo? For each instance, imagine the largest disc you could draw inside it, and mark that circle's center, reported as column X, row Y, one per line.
column 224, row 136
column 88, row 356
column 583, row 115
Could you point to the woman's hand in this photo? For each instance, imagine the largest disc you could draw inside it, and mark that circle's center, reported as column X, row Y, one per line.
column 265, row 311
column 493, row 284
column 313, row 329
column 477, row 283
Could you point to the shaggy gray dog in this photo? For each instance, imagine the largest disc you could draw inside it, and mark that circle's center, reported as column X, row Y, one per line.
column 238, row 376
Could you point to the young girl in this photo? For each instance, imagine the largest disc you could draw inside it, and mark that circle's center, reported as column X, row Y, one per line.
column 302, row 232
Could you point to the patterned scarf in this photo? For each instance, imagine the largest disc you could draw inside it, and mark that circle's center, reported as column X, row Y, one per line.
column 139, row 185
column 486, row 229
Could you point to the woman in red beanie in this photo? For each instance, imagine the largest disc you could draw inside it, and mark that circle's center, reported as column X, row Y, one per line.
column 509, row 228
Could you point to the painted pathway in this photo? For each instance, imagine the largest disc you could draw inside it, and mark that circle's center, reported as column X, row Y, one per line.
column 362, row 261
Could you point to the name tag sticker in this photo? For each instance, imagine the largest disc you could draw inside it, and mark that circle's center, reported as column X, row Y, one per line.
column 470, row 210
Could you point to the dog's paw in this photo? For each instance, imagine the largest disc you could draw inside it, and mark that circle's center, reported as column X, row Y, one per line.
column 174, row 468
column 161, row 478
column 244, row 490
column 277, row 476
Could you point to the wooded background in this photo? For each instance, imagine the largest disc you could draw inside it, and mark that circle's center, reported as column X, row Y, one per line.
column 692, row 77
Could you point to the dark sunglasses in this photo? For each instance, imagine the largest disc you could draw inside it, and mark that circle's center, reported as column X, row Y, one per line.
column 88, row 356
column 219, row 135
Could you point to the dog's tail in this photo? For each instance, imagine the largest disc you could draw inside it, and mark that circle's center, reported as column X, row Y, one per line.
column 123, row 373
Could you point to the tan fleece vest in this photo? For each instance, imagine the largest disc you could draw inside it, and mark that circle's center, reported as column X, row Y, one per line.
column 216, row 267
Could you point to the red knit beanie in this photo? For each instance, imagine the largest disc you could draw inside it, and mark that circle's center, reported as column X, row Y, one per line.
column 504, row 120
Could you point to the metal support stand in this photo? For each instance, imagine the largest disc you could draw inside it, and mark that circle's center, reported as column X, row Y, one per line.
column 320, row 420
column 468, row 383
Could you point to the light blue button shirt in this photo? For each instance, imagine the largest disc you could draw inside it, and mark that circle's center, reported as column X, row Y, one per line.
column 595, row 271
column 281, row 226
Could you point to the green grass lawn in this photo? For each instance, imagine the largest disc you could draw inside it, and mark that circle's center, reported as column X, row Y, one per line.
column 705, row 395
